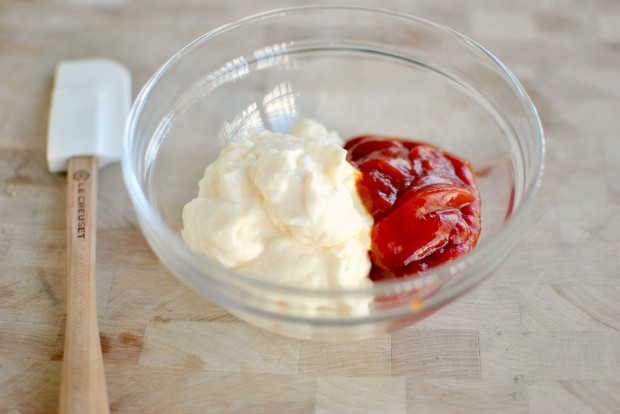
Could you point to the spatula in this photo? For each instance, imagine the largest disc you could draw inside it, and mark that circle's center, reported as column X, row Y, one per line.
column 90, row 102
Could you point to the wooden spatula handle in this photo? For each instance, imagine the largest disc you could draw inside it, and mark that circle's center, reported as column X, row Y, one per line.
column 82, row 388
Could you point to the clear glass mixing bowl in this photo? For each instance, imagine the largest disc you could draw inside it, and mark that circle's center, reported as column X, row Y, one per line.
column 357, row 71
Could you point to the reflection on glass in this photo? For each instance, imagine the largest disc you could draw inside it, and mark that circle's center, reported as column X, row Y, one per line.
column 247, row 123
column 232, row 70
column 270, row 55
column 280, row 107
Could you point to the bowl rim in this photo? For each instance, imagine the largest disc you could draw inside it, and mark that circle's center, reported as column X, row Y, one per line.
column 148, row 216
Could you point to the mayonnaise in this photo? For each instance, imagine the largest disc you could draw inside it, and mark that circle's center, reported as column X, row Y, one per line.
column 284, row 208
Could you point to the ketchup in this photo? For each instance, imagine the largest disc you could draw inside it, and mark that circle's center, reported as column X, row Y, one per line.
column 424, row 201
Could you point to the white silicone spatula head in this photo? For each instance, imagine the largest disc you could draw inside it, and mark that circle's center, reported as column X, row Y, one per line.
column 90, row 102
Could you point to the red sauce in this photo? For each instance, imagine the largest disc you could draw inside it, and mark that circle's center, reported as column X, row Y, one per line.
column 424, row 202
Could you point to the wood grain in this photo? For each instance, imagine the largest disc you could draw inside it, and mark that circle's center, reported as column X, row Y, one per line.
column 436, row 353
column 574, row 397
column 467, row 395
column 539, row 336
column 27, row 338
column 29, row 386
column 550, row 355
column 82, row 386
column 162, row 390
column 361, row 358
column 342, row 395
column 570, row 308
column 218, row 346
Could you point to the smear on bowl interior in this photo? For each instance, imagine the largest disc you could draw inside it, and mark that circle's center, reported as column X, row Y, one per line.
column 306, row 209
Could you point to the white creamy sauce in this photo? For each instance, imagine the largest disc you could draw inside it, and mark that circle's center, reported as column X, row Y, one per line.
column 284, row 208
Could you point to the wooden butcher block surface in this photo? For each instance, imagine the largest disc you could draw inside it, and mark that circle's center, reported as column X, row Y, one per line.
column 539, row 336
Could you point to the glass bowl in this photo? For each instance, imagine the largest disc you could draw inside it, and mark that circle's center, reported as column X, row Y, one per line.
column 357, row 71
